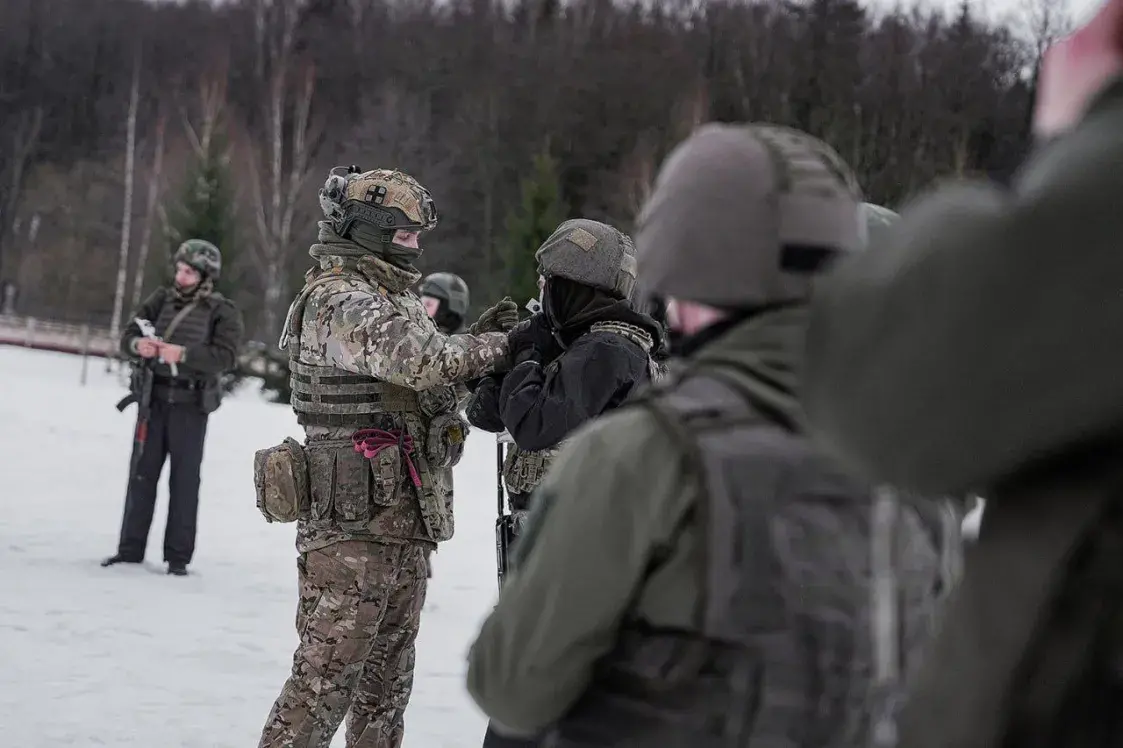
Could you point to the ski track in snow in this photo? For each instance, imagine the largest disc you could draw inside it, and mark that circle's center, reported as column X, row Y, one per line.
column 133, row 658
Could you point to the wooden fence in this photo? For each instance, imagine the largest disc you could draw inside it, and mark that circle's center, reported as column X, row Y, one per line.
column 48, row 335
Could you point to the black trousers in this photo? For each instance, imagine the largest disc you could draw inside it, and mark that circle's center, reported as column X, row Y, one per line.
column 175, row 430
column 494, row 740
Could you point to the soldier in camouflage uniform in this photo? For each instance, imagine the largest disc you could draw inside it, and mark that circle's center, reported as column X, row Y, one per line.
column 373, row 385
column 694, row 574
column 446, row 300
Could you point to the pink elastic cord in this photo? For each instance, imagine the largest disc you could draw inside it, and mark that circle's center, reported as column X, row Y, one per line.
column 372, row 441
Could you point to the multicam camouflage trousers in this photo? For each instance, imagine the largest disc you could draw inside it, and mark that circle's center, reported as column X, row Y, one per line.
column 359, row 612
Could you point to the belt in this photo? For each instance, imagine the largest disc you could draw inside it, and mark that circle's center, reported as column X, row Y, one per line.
column 178, row 384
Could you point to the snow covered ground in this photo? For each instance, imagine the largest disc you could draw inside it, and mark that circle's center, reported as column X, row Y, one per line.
column 132, row 658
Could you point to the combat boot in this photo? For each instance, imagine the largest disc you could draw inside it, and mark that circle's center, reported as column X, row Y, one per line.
column 117, row 558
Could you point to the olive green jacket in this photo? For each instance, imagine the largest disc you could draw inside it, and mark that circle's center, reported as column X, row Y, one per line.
column 980, row 346
column 610, row 503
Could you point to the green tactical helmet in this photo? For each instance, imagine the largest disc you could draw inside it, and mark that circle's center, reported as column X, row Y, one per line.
column 201, row 255
column 591, row 253
column 878, row 220
column 744, row 217
column 449, row 288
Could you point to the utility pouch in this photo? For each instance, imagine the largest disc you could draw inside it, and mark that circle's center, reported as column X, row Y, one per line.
column 385, row 453
column 386, row 472
column 341, row 483
column 281, row 480
column 523, row 471
column 210, row 396
column 445, row 443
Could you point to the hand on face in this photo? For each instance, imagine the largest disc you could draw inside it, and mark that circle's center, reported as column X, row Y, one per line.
column 1076, row 69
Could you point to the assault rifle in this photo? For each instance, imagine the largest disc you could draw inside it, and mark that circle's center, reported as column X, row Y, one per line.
column 505, row 522
column 140, row 392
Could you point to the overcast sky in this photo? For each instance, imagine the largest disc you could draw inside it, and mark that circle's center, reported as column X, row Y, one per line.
column 997, row 9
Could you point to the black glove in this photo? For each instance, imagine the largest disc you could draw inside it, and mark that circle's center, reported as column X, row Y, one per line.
column 533, row 340
column 483, row 408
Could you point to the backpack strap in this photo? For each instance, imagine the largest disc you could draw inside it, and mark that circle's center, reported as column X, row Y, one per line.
column 688, row 412
column 180, row 315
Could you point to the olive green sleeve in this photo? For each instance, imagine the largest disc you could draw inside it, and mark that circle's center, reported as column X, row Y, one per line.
column 984, row 331
column 614, row 495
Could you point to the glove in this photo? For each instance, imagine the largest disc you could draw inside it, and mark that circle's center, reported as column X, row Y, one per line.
column 499, row 318
column 532, row 340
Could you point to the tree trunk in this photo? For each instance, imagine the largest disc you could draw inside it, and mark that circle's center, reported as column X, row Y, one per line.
column 127, row 219
column 149, row 212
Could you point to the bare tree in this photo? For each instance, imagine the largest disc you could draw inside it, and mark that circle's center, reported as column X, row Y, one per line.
column 212, row 105
column 278, row 188
column 127, row 217
column 1043, row 22
column 24, row 143
column 155, row 175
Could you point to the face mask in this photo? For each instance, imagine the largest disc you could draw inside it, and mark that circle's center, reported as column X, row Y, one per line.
column 395, row 254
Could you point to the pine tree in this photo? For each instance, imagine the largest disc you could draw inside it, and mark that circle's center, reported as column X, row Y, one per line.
column 206, row 207
column 206, row 210
column 539, row 212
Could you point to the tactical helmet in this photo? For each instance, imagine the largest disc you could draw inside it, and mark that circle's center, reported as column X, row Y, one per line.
column 383, row 199
column 742, row 217
column 449, row 288
column 592, row 253
column 201, row 255
column 878, row 219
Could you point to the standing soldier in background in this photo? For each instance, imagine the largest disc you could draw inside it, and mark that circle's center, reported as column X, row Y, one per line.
column 373, row 384
column 198, row 333
column 445, row 297
column 694, row 573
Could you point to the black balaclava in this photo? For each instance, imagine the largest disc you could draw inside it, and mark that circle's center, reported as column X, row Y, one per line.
column 447, row 320
column 571, row 306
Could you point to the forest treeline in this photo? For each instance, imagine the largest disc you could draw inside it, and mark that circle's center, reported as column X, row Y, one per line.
column 224, row 119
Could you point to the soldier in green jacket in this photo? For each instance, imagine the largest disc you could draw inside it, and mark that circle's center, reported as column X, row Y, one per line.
column 977, row 348
column 694, row 574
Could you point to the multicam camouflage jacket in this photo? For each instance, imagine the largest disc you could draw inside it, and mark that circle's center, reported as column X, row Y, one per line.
column 358, row 315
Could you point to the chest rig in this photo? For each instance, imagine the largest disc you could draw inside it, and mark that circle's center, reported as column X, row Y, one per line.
column 328, row 397
column 785, row 649
column 524, row 470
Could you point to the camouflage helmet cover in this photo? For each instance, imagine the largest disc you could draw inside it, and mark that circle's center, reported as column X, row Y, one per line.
column 743, row 216
column 450, row 288
column 385, row 199
column 591, row 253
column 201, row 255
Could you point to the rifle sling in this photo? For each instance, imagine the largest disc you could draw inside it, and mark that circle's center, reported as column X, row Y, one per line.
column 179, row 318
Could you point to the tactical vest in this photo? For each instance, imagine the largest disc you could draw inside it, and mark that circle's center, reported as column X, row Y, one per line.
column 328, row 396
column 193, row 329
column 783, row 652
column 524, row 470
